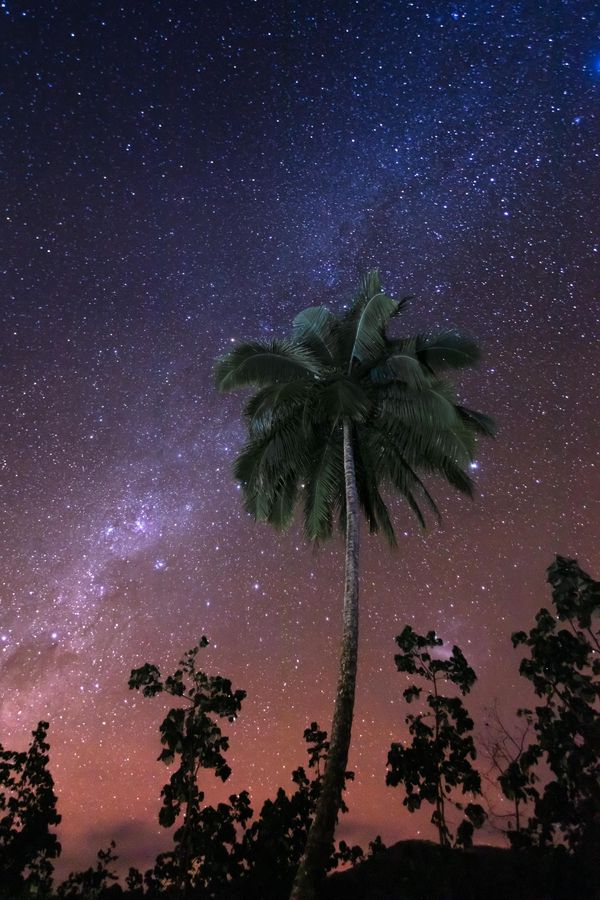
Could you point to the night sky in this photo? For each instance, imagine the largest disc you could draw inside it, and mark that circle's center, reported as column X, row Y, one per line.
column 177, row 176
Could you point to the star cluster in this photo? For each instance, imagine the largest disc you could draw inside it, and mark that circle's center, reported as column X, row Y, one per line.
column 178, row 176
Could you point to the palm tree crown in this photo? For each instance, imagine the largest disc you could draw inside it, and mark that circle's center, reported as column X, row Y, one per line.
column 404, row 417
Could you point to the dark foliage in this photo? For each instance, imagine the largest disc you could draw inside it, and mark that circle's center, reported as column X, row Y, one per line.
column 94, row 882
column 392, row 390
column 273, row 844
column 135, row 884
column 514, row 767
column 216, row 852
column 27, row 813
column 221, row 853
column 563, row 666
column 438, row 760
column 205, row 855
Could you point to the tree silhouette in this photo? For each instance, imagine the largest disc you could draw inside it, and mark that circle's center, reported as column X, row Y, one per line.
column 205, row 842
column 564, row 668
column 439, row 758
column 135, row 883
column 93, row 882
column 513, row 761
column 273, row 844
column 342, row 409
column 27, row 813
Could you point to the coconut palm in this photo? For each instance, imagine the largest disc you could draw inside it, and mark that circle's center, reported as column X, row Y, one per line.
column 343, row 411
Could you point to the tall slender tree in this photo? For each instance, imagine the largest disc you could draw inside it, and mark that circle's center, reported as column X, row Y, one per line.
column 343, row 410
column 191, row 734
column 438, row 761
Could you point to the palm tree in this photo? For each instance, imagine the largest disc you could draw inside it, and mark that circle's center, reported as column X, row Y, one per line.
column 343, row 410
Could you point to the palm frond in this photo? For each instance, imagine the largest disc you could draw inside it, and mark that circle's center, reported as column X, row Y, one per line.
column 458, row 478
column 391, row 465
column 403, row 454
column 369, row 285
column 434, row 508
column 283, row 502
column 442, row 455
column 314, row 327
column 400, row 363
column 268, row 465
column 426, row 408
column 369, row 289
column 369, row 496
column 418, row 485
column 478, row 421
column 276, row 403
column 283, row 451
column 412, row 502
column 369, row 337
column 425, row 447
column 323, row 488
column 340, row 398
column 260, row 364
column 449, row 349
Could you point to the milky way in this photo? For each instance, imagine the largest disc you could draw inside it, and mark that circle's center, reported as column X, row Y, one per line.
column 178, row 176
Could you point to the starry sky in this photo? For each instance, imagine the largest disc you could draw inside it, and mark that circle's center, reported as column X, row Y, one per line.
column 177, row 176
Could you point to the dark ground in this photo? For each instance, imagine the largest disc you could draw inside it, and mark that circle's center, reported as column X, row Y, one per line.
column 421, row 870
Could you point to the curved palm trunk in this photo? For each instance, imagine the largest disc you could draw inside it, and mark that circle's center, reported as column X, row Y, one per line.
column 320, row 837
